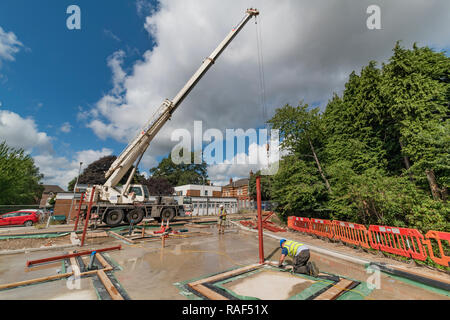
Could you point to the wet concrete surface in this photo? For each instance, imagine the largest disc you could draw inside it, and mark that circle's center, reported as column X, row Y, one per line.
column 149, row 271
column 269, row 285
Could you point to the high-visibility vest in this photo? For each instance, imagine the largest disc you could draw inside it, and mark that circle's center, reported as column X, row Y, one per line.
column 292, row 247
column 222, row 214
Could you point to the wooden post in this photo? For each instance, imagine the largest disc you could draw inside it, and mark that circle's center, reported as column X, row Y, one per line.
column 88, row 216
column 143, row 229
column 78, row 213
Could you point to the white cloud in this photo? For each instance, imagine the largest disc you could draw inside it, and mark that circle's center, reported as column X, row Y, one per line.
column 23, row 133
column 148, row 161
column 60, row 170
column 66, row 127
column 309, row 49
column 144, row 7
column 110, row 34
column 9, row 45
column 241, row 164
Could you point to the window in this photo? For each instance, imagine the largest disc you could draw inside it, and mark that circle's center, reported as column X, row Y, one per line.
column 10, row 215
column 24, row 214
column 136, row 190
column 206, row 192
column 146, row 193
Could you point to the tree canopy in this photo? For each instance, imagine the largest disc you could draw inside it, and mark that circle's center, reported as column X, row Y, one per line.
column 379, row 152
column 19, row 177
column 94, row 173
column 158, row 186
column 181, row 174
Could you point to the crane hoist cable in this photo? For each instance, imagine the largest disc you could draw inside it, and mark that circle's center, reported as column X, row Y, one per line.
column 262, row 81
column 262, row 85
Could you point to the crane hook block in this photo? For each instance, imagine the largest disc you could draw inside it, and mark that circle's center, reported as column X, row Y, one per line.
column 253, row 12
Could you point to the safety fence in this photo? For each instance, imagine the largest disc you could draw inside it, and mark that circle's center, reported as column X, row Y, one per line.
column 352, row 233
column 404, row 242
column 322, row 228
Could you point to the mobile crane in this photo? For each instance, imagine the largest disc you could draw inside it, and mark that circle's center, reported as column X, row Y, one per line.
column 132, row 202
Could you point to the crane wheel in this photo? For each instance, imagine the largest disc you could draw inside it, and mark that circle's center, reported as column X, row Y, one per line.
column 167, row 214
column 114, row 217
column 137, row 215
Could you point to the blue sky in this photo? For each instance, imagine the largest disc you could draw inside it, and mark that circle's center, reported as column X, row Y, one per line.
column 59, row 70
column 75, row 95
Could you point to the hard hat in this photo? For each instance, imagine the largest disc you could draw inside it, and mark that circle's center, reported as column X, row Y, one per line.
column 221, row 206
column 281, row 241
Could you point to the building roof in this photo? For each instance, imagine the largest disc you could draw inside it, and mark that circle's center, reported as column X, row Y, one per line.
column 52, row 188
column 197, row 187
column 238, row 183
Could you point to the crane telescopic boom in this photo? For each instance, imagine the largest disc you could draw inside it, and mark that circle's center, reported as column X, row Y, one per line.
column 137, row 147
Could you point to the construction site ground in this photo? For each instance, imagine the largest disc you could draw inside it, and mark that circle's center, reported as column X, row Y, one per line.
column 146, row 270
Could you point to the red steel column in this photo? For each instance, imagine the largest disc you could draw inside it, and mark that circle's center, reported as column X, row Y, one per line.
column 88, row 215
column 260, row 229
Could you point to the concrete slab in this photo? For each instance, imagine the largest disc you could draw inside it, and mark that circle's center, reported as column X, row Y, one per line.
column 150, row 272
column 269, row 285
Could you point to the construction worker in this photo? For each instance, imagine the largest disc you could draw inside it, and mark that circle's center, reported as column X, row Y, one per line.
column 300, row 253
column 222, row 219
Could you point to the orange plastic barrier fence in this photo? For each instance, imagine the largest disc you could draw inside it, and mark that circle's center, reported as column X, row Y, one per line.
column 444, row 260
column 322, row 228
column 299, row 224
column 401, row 241
column 352, row 233
column 405, row 242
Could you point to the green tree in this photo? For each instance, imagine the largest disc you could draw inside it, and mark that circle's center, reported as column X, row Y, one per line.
column 181, row 174
column 354, row 132
column 298, row 189
column 416, row 89
column 19, row 177
column 158, row 186
column 265, row 186
column 301, row 131
column 95, row 172
column 71, row 184
column 384, row 142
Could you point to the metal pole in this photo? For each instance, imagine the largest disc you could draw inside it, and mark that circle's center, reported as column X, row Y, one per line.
column 260, row 229
column 66, row 256
column 74, row 191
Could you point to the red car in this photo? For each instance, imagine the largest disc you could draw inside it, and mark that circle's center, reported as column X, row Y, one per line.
column 26, row 218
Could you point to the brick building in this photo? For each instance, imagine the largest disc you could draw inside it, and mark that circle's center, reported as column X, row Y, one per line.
column 64, row 202
column 49, row 192
column 192, row 190
column 237, row 189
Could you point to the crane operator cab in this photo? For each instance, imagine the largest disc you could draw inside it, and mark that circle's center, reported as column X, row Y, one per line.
column 139, row 193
